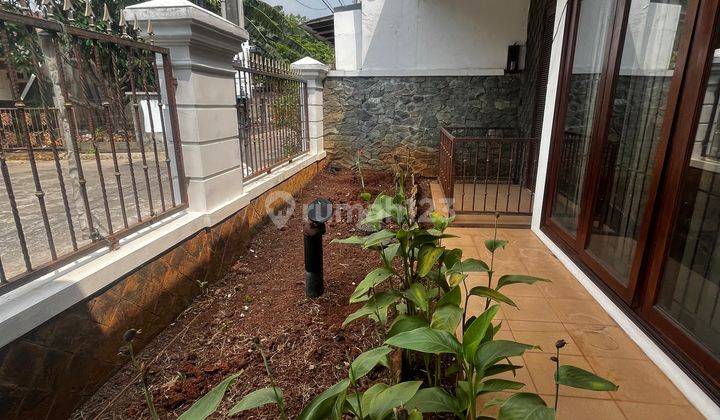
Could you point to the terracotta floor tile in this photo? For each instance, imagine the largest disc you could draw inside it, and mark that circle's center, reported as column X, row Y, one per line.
column 573, row 408
column 639, row 381
column 522, row 290
column 546, row 340
column 521, row 375
column 579, row 311
column 485, row 398
column 564, row 309
column 604, row 341
column 561, row 288
column 520, row 325
column 530, row 309
column 542, row 372
column 643, row 411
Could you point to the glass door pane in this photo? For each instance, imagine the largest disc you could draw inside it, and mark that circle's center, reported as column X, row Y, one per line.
column 594, row 25
column 690, row 285
column 649, row 51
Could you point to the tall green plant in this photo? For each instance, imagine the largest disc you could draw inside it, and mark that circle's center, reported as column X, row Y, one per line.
column 423, row 283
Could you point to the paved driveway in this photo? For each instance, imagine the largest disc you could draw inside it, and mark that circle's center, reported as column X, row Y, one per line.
column 30, row 214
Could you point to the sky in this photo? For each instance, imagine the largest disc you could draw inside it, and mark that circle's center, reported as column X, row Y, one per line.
column 310, row 8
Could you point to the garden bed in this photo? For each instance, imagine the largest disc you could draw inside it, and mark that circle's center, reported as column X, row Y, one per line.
column 261, row 296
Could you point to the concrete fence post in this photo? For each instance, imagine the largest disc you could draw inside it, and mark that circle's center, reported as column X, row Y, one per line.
column 314, row 73
column 202, row 46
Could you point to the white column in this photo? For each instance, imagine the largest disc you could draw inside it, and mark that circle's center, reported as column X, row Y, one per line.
column 348, row 37
column 202, row 46
column 314, row 72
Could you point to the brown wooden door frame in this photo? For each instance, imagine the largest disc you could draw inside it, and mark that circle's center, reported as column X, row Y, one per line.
column 674, row 149
column 678, row 154
column 572, row 12
column 598, row 142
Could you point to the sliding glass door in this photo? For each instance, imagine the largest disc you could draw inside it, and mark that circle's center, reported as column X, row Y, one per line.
column 633, row 132
column 614, row 116
column 683, row 291
column 633, row 190
column 594, row 20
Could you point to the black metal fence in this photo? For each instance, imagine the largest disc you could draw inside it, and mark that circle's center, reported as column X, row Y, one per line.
column 487, row 170
column 74, row 80
column 272, row 114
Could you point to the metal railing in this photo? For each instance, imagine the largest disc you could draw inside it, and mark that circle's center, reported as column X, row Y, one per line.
column 272, row 114
column 487, row 170
column 58, row 203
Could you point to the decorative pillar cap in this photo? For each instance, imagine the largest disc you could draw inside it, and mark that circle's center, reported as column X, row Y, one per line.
column 169, row 17
column 310, row 68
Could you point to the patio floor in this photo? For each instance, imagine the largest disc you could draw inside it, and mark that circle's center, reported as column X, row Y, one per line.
column 564, row 309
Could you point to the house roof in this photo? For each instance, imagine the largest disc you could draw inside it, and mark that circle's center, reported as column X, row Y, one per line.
column 323, row 28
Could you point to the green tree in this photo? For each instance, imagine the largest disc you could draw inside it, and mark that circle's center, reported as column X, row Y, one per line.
column 281, row 36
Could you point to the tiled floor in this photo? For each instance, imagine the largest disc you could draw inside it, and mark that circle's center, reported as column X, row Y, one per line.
column 564, row 309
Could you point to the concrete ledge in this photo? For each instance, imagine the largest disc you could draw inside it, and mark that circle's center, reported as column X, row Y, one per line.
column 416, row 72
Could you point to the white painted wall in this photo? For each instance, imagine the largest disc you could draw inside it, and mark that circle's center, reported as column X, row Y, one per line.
column 432, row 35
column 348, row 29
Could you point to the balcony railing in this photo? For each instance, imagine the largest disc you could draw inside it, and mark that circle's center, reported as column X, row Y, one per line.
column 487, row 170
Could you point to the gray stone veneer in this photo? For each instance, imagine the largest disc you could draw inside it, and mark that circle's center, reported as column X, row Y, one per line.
column 391, row 116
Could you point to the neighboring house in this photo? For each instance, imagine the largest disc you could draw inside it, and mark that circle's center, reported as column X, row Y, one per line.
column 622, row 97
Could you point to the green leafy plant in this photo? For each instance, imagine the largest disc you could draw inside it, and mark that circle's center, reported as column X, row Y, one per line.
column 423, row 283
column 364, row 195
column 264, row 396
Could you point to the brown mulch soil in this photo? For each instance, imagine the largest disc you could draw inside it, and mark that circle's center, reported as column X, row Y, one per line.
column 261, row 296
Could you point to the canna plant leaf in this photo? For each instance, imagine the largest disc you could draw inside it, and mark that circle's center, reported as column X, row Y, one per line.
column 476, row 332
column 580, row 378
column 209, row 403
column 388, row 254
column 525, row 406
column 492, row 352
column 470, row 265
column 392, row 397
column 426, row 340
column 452, row 257
column 338, row 408
column 433, row 400
column 322, row 405
column 370, row 395
column 417, row 294
column 269, row 395
column 493, row 244
column 367, row 361
column 428, row 256
column 377, row 304
column 379, row 210
column 492, row 294
column 494, row 385
column 406, row 323
column 373, row 278
column 378, row 238
column 453, row 297
column 517, row 278
column 446, row 317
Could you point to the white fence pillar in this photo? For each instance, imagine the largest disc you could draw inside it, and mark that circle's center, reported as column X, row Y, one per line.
column 314, row 72
column 202, row 46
